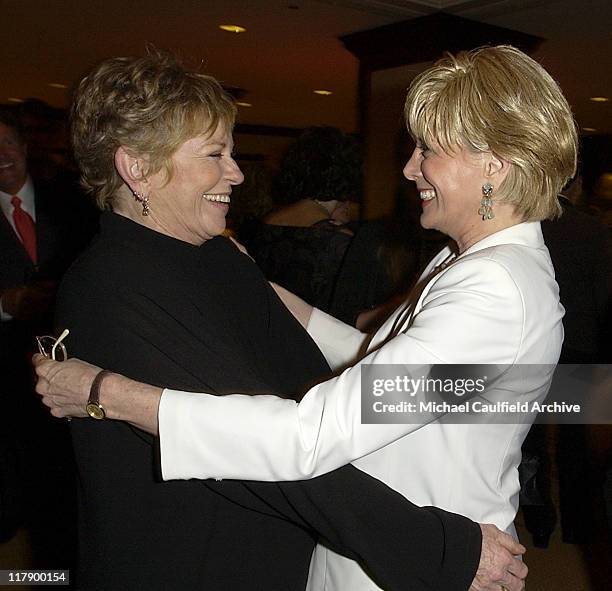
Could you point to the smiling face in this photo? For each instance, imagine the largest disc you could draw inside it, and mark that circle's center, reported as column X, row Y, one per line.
column 13, row 165
column 192, row 206
column 450, row 188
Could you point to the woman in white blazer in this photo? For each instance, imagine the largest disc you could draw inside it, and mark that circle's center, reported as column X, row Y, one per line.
column 495, row 143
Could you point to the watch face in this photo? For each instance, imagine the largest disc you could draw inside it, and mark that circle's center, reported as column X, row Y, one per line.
column 95, row 411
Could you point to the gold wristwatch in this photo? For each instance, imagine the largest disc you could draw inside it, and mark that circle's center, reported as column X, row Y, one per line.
column 94, row 409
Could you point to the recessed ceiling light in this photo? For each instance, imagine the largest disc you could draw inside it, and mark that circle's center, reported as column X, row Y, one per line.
column 323, row 92
column 232, row 28
column 12, row 99
column 57, row 85
column 242, row 104
column 599, row 99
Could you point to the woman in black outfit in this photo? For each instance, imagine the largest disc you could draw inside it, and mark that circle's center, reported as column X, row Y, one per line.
column 300, row 245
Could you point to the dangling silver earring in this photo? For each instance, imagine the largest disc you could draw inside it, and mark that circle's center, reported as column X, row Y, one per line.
column 486, row 203
column 144, row 201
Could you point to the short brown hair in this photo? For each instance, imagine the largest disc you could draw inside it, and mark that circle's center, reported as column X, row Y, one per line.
column 500, row 100
column 150, row 105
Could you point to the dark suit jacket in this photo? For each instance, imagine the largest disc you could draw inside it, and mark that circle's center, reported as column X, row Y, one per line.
column 64, row 224
column 16, row 269
column 15, row 265
column 34, row 457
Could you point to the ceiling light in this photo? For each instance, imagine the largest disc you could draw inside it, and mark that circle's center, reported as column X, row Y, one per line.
column 599, row 99
column 232, row 28
column 12, row 99
column 323, row 92
column 588, row 129
column 241, row 104
column 57, row 85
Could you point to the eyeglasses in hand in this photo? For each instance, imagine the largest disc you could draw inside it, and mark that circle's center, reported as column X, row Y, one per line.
column 53, row 348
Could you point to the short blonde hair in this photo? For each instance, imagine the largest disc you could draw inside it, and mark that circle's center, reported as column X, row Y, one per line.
column 150, row 105
column 500, row 100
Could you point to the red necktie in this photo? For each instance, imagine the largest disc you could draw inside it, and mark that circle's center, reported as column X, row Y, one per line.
column 24, row 224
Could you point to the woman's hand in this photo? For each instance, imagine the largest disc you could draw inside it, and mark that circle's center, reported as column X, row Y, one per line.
column 64, row 386
column 499, row 569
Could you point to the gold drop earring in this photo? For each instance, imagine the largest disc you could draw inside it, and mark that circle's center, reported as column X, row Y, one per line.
column 144, row 201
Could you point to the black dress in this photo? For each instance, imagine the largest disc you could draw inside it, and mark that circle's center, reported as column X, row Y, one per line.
column 203, row 318
column 305, row 260
column 334, row 268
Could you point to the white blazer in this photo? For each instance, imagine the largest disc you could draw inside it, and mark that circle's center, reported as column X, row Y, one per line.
column 497, row 303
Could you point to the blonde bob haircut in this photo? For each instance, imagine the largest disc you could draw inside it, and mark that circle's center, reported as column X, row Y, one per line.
column 499, row 100
column 149, row 105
